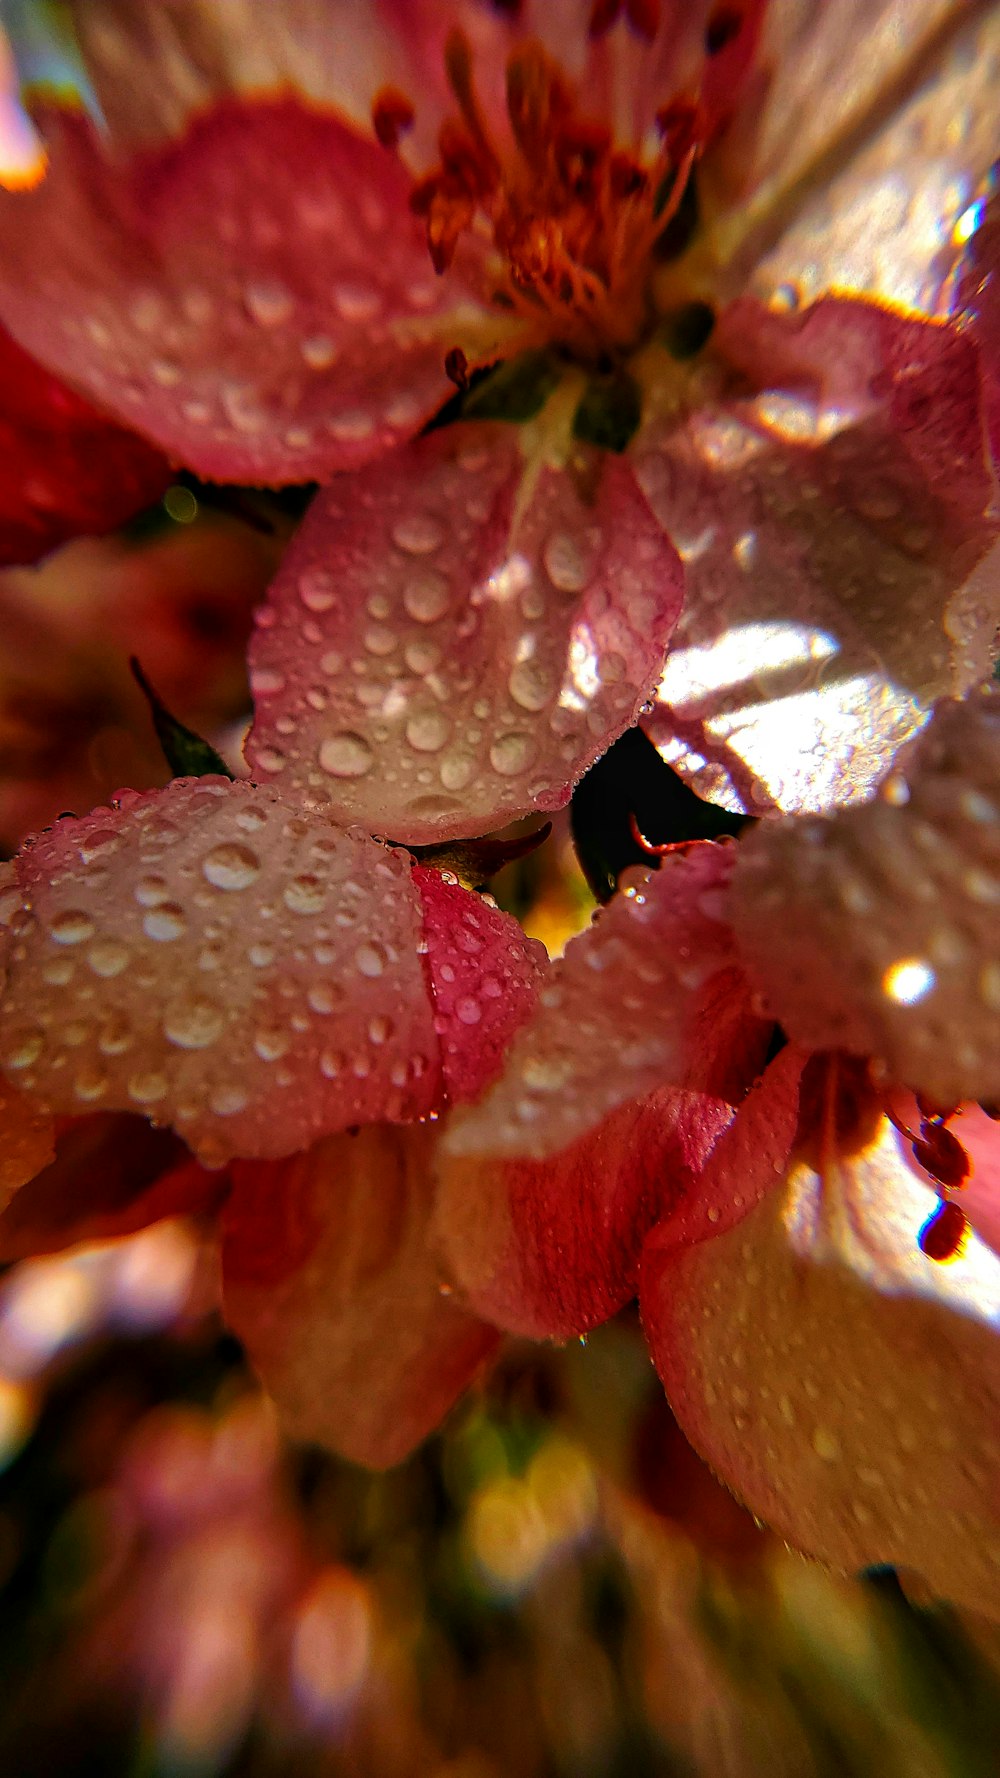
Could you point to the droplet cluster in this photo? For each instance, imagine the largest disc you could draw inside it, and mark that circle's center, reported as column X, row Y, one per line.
column 238, row 295
column 484, row 977
column 877, row 930
column 839, row 1380
column 448, row 645
column 618, row 1015
column 221, row 962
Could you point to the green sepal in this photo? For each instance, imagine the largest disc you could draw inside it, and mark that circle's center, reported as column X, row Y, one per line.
column 516, row 391
column 187, row 755
column 688, row 329
column 609, row 412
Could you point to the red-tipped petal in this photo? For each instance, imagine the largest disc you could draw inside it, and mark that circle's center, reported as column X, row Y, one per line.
column 27, row 1140
column 65, row 471
column 223, row 962
column 332, row 1286
column 455, row 636
column 650, row 995
column 484, row 976
column 844, row 1385
column 255, row 297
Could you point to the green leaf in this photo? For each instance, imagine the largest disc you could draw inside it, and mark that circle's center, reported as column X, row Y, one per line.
column 610, row 412
column 187, row 755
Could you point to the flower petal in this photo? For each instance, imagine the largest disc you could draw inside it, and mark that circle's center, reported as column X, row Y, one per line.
column 845, row 1386
column 650, row 995
column 550, row 1248
column 27, row 1141
column 483, row 975
column 876, row 930
column 331, row 1284
column 111, row 1175
column 65, row 471
column 454, row 637
column 211, row 957
column 256, row 298
column 830, row 526
column 878, row 125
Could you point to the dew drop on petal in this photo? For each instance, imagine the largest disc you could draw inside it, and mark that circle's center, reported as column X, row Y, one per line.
column 231, row 866
column 346, row 755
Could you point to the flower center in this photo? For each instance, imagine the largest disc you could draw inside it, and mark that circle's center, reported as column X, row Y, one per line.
column 574, row 220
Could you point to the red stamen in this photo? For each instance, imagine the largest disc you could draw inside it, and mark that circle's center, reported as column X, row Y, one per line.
column 679, row 126
column 392, row 115
column 627, row 179
column 943, row 1235
column 941, row 1155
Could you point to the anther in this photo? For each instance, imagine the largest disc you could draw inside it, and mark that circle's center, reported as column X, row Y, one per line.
column 723, row 28
column 456, row 368
column 943, row 1235
column 392, row 115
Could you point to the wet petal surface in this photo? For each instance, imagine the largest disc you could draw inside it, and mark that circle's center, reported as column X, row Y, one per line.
column 845, row 1386
column 454, row 637
column 877, row 930
column 331, row 1284
column 484, row 976
column 214, row 959
column 256, row 298
column 833, row 533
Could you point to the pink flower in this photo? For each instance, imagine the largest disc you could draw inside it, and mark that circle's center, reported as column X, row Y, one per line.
column 786, row 1246
column 273, row 284
column 260, row 981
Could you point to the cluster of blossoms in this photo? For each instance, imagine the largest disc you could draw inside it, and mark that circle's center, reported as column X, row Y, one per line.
column 646, row 356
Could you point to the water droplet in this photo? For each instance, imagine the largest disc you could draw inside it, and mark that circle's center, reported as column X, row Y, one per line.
column 150, row 891
column 316, row 589
column 271, row 1043
column 428, row 730
column 90, row 1084
column 357, row 302
column 418, row 533
column 346, row 755
column 511, row 754
column 331, row 1064
column 146, row 1088
column 565, row 564
column 530, row 685
column 23, row 1046
column 107, row 957
column 379, row 1029
column 370, row 959
column 96, row 844
column 193, row 1024
column 268, row 301
column 305, row 895
column 323, row 997
column 456, row 771
column 318, row 351
column 265, row 681
column 468, row 1010
column 231, row 866
column 427, row 596
column 226, row 1100
column 72, row 927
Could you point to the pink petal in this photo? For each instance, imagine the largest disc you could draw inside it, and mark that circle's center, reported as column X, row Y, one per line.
column 331, row 1284
column 876, row 930
column 256, row 298
column 831, row 526
column 650, row 995
column 64, row 470
column 843, row 1384
column 109, row 1175
column 483, row 975
column 747, row 1160
column 454, row 637
column 876, row 128
column 550, row 1248
column 212, row 958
